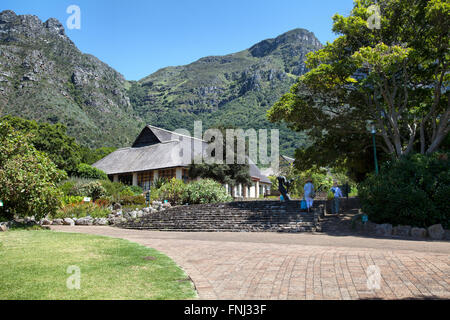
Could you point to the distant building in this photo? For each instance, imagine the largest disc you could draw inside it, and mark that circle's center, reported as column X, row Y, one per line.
column 158, row 153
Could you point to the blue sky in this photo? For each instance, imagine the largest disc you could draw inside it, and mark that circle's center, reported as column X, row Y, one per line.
column 138, row 37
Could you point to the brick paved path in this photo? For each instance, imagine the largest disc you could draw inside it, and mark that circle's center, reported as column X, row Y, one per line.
column 298, row 266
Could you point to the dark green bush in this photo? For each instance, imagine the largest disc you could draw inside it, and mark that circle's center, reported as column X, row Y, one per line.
column 206, row 191
column 173, row 191
column 411, row 191
column 89, row 172
column 197, row 192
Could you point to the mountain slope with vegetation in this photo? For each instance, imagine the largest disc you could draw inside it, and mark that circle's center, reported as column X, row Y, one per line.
column 233, row 90
column 44, row 77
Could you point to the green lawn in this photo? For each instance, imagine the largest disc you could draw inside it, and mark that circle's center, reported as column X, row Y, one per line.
column 33, row 265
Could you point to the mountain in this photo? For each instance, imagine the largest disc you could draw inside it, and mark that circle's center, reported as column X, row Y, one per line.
column 43, row 76
column 236, row 89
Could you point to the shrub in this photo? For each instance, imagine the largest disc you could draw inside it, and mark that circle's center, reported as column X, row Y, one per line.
column 71, row 200
column 136, row 190
column 206, row 191
column 154, row 194
column 173, row 191
column 75, row 186
column 80, row 210
column 159, row 182
column 411, row 191
column 28, row 177
column 94, row 190
column 112, row 189
column 133, row 200
column 89, row 172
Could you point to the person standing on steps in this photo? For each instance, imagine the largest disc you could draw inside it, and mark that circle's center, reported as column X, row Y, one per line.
column 309, row 193
column 335, row 202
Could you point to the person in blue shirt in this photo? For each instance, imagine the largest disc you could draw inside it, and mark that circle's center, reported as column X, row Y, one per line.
column 309, row 193
column 335, row 202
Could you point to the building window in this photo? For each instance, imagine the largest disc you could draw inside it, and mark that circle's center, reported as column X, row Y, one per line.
column 126, row 179
column 145, row 180
column 168, row 173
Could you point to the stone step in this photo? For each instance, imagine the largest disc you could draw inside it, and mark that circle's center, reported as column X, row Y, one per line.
column 258, row 216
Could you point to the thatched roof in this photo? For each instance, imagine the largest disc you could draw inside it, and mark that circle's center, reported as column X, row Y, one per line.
column 157, row 148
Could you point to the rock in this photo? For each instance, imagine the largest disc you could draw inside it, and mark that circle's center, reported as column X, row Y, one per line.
column 140, row 214
column 369, row 227
column 7, row 16
column 101, row 222
column 436, row 232
column 167, row 205
column 87, row 221
column 54, row 26
column 403, row 231
column 68, row 222
column 3, row 228
column 58, row 222
column 132, row 214
column 418, row 232
column 447, row 235
column 146, row 210
column 117, row 206
column 46, row 222
column 384, row 229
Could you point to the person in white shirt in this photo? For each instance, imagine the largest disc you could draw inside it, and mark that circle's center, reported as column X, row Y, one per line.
column 309, row 193
column 335, row 202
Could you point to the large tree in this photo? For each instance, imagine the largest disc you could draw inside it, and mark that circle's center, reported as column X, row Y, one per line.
column 395, row 77
column 51, row 139
column 28, row 178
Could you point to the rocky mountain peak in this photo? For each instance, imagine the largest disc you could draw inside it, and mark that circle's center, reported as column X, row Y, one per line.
column 292, row 39
column 7, row 16
column 24, row 28
column 53, row 25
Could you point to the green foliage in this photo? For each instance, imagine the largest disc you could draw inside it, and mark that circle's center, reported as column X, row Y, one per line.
column 322, row 178
column 206, row 191
column 154, row 194
column 138, row 200
column 81, row 210
column 94, row 190
column 197, row 192
column 159, row 182
column 90, row 156
column 394, row 77
column 73, row 186
column 88, row 172
column 28, row 177
column 71, row 200
column 410, row 191
column 50, row 139
column 230, row 174
column 113, row 189
column 173, row 191
column 136, row 190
